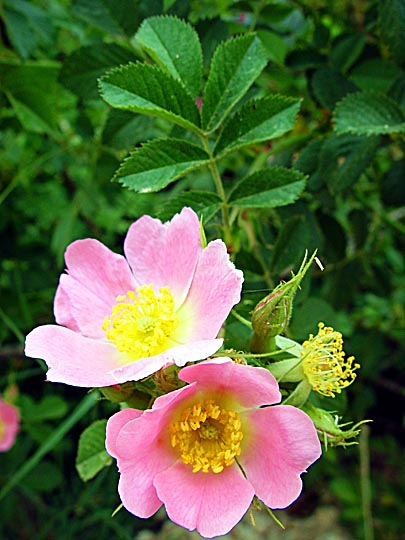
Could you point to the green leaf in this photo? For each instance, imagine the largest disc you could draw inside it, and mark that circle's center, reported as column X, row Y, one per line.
column 275, row 46
column 235, row 66
column 375, row 74
column 175, row 46
column 27, row 26
column 49, row 408
column 268, row 188
column 92, row 456
column 123, row 130
column 392, row 27
column 346, row 50
column 146, row 89
column 258, row 121
column 156, row 164
column 343, row 158
column 85, row 66
column 296, row 236
column 109, row 15
column 31, row 89
column 204, row 203
column 330, row 86
column 368, row 114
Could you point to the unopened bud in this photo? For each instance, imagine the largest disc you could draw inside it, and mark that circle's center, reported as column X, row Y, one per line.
column 271, row 315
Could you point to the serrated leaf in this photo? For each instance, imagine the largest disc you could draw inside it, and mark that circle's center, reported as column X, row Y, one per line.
column 368, row 113
column 146, row 89
column 343, row 158
column 81, row 71
column 92, row 456
column 330, row 86
column 175, row 46
column 235, row 66
column 392, row 27
column 158, row 163
column 258, row 121
column 268, row 188
column 204, row 203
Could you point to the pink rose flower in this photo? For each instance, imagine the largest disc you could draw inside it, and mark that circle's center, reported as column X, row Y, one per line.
column 122, row 319
column 206, row 449
column 9, row 425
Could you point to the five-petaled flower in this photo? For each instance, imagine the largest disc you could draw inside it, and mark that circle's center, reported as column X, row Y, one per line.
column 122, row 319
column 9, row 425
column 205, row 450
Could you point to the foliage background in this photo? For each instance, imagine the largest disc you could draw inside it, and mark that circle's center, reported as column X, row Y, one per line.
column 60, row 145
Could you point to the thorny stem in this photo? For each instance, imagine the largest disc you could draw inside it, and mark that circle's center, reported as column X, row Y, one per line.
column 220, row 190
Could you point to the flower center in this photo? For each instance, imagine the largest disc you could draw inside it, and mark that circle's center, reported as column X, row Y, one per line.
column 141, row 322
column 208, row 437
column 324, row 362
column 2, row 429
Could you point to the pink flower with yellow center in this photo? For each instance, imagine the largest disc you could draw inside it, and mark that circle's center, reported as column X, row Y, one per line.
column 122, row 319
column 205, row 450
column 9, row 425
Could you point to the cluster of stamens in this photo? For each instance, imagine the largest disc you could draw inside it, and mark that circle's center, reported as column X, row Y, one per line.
column 141, row 322
column 325, row 364
column 207, row 436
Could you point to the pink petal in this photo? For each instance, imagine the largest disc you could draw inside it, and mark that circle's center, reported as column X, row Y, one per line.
column 96, row 276
column 211, row 503
column 72, row 358
column 151, row 427
column 139, row 458
column 251, row 386
column 190, row 352
column 282, row 445
column 114, row 426
column 142, row 448
column 9, row 425
column 215, row 289
column 165, row 254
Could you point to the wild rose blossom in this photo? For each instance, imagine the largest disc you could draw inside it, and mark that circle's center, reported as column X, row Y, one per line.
column 206, row 449
column 122, row 319
column 9, row 425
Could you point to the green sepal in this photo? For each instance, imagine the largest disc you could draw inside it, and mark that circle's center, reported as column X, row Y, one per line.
column 329, row 430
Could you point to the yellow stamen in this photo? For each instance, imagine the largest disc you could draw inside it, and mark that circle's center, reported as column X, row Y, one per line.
column 207, row 436
column 141, row 322
column 324, row 362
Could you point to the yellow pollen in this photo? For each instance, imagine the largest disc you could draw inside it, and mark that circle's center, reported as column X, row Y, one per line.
column 324, row 363
column 208, row 438
column 141, row 322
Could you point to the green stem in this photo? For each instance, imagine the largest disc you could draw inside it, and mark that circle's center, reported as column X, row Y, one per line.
column 220, row 190
column 87, row 403
column 241, row 319
column 365, row 484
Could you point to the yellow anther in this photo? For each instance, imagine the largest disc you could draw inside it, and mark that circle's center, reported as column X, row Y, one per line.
column 208, row 438
column 324, row 363
column 141, row 322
